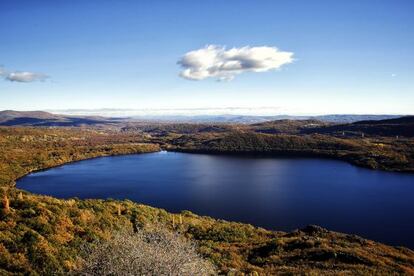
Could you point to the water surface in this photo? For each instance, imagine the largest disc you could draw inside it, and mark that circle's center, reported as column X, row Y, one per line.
column 275, row 193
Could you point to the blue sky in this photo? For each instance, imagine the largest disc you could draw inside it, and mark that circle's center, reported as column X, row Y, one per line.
column 348, row 56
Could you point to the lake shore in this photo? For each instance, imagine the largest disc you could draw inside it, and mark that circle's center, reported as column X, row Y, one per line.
column 58, row 227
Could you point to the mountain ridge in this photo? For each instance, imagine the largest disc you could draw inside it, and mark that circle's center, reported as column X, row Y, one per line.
column 43, row 118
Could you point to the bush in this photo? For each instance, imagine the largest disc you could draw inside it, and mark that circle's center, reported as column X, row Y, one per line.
column 157, row 252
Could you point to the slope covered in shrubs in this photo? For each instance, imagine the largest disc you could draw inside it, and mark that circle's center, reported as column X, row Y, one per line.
column 42, row 235
column 374, row 152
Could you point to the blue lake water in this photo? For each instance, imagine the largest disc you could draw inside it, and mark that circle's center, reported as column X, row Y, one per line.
column 275, row 193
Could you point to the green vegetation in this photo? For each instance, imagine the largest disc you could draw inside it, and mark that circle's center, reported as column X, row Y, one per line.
column 23, row 150
column 386, row 145
column 373, row 152
column 43, row 235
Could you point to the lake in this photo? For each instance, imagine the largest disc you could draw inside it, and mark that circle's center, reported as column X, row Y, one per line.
column 275, row 193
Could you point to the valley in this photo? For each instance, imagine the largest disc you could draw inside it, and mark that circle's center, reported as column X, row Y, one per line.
column 43, row 234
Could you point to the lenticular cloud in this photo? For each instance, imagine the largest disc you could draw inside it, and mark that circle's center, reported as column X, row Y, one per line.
column 218, row 62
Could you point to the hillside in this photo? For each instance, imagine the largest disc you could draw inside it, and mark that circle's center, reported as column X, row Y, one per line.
column 41, row 118
column 287, row 126
column 385, row 153
column 11, row 114
column 403, row 126
column 44, row 235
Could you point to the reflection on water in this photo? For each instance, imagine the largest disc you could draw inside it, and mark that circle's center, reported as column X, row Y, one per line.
column 281, row 193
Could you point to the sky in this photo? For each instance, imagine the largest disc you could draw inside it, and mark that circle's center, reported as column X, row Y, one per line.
column 274, row 57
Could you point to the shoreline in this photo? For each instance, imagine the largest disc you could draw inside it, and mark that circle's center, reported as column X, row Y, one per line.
column 80, row 160
column 258, row 155
column 275, row 154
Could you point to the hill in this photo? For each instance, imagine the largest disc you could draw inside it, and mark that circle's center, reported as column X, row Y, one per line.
column 42, row 235
column 403, row 126
column 7, row 115
column 287, row 126
column 41, row 118
column 94, row 117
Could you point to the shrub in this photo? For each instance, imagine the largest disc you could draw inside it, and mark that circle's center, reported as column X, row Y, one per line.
column 158, row 252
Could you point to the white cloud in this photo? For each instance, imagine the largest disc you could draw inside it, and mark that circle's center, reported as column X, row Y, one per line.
column 218, row 62
column 25, row 76
column 20, row 76
column 2, row 72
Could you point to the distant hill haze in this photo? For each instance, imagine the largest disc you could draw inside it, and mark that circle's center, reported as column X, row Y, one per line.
column 42, row 118
column 326, row 124
column 11, row 114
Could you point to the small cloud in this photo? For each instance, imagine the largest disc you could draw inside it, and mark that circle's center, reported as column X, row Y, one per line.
column 20, row 76
column 2, row 72
column 25, row 77
column 393, row 75
column 218, row 62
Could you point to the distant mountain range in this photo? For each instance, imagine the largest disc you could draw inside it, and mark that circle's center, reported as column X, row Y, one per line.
column 42, row 118
column 252, row 119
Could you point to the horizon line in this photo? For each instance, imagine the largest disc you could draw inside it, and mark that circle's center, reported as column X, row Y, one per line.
column 190, row 112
